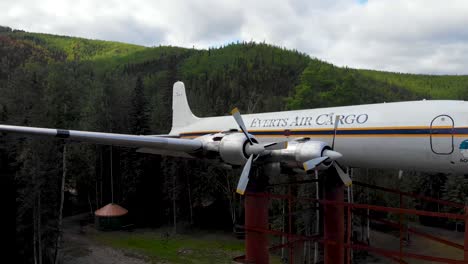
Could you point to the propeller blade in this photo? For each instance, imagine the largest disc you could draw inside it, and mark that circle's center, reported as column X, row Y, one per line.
column 240, row 122
column 244, row 178
column 333, row 155
column 276, row 145
column 343, row 175
column 311, row 164
column 337, row 118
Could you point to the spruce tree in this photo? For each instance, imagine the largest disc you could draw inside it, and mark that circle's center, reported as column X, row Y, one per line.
column 454, row 190
column 139, row 114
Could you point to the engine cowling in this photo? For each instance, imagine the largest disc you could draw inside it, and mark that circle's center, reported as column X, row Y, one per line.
column 299, row 152
column 232, row 149
column 309, row 150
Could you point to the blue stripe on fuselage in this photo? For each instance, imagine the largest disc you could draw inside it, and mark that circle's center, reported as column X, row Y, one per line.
column 363, row 131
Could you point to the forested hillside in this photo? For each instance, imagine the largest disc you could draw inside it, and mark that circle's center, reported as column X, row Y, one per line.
column 323, row 84
column 430, row 86
column 74, row 83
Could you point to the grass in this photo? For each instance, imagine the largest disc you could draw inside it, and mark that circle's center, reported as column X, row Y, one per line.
column 159, row 246
column 135, row 57
column 104, row 54
column 87, row 49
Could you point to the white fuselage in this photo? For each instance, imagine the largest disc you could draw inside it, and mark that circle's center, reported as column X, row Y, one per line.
column 416, row 135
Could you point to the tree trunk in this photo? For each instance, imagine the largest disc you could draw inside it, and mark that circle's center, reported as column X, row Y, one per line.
column 190, row 199
column 39, row 231
column 101, row 173
column 90, row 204
column 112, row 174
column 96, row 179
column 62, row 198
column 174, row 209
column 231, row 198
column 35, row 231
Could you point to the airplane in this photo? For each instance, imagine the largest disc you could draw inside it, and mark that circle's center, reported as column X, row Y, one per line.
column 426, row 135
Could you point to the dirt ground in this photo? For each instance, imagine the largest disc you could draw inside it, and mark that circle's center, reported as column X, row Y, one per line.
column 418, row 244
column 79, row 248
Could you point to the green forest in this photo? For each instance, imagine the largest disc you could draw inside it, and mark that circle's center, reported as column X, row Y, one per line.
column 82, row 84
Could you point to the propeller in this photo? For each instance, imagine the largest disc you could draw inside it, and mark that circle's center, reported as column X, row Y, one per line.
column 244, row 178
column 240, row 122
column 253, row 149
column 344, row 176
column 330, row 155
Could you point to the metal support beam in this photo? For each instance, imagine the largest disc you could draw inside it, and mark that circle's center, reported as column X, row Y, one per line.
column 465, row 245
column 256, row 242
column 333, row 217
column 256, row 217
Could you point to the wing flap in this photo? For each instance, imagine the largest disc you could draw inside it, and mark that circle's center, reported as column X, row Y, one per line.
column 165, row 152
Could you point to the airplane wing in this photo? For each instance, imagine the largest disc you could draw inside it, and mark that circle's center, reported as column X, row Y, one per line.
column 124, row 140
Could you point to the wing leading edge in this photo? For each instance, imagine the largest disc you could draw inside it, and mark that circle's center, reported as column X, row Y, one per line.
column 124, row 140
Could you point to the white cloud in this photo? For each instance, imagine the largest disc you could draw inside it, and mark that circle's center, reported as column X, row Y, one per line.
column 420, row 36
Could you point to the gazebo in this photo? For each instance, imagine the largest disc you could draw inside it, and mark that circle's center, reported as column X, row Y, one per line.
column 110, row 217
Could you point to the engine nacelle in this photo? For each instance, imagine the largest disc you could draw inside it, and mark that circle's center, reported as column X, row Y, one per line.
column 232, row 149
column 229, row 146
column 309, row 150
column 300, row 152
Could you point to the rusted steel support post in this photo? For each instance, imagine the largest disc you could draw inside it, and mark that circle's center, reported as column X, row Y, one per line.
column 348, row 235
column 401, row 228
column 317, row 215
column 333, row 217
column 291, row 246
column 465, row 243
column 256, row 216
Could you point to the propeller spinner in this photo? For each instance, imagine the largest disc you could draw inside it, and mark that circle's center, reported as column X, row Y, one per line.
column 253, row 149
column 330, row 155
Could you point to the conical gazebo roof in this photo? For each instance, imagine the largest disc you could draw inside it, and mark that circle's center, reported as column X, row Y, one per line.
column 111, row 210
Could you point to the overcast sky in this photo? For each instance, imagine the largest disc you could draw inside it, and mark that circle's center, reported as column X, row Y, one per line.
column 416, row 36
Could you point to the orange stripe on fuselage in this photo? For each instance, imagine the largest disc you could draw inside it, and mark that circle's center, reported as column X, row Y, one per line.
column 204, row 132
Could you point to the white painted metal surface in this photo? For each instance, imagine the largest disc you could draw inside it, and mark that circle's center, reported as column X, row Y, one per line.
column 417, row 135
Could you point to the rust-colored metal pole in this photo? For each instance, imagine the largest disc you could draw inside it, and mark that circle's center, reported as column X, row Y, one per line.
column 256, row 216
column 348, row 235
column 291, row 245
column 401, row 228
column 333, row 218
column 465, row 243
